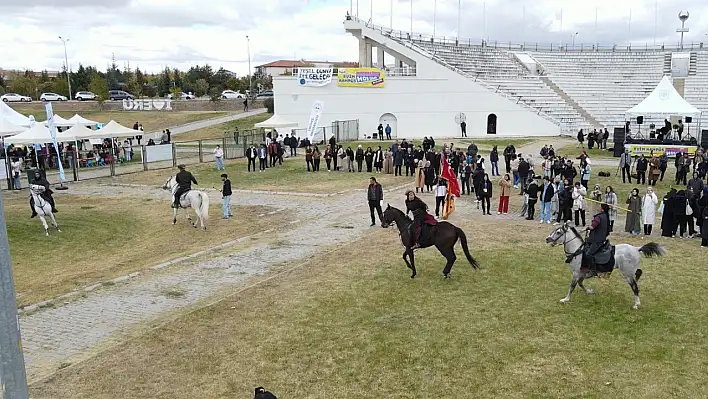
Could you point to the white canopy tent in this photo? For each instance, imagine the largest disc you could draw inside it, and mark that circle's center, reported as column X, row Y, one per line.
column 59, row 122
column 275, row 122
column 664, row 100
column 37, row 134
column 13, row 116
column 8, row 128
column 80, row 120
column 76, row 133
column 114, row 129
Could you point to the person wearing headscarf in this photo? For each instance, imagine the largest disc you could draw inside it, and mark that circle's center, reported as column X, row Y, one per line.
column 419, row 208
column 649, row 203
column 599, row 231
column 39, row 180
column 633, row 221
column 611, row 201
column 668, row 219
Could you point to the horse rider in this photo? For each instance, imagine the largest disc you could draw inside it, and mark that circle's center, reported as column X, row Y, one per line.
column 184, row 183
column 419, row 209
column 46, row 194
column 599, row 231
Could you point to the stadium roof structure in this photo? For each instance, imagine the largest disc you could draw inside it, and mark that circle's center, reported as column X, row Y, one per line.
column 664, row 100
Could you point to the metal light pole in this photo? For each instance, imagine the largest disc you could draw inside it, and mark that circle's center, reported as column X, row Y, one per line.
column 66, row 62
column 250, row 75
column 575, row 34
column 13, row 380
column 683, row 16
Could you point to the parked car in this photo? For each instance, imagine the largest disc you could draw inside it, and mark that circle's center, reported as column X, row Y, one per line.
column 52, row 97
column 14, row 97
column 182, row 96
column 119, row 95
column 265, row 94
column 231, row 95
column 84, row 95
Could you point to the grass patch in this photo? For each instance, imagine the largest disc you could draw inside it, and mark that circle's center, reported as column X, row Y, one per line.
column 174, row 293
column 570, row 150
column 359, row 327
column 108, row 238
column 151, row 121
column 292, row 176
column 218, row 131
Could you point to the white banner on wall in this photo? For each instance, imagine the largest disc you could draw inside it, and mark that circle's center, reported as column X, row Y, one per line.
column 314, row 76
column 156, row 153
column 314, row 120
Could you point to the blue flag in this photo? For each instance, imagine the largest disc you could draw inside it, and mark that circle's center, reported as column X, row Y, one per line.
column 53, row 133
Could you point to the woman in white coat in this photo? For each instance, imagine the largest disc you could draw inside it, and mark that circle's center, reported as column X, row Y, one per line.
column 649, row 203
column 579, row 203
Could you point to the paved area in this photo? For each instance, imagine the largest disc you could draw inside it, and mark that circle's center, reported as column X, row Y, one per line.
column 71, row 331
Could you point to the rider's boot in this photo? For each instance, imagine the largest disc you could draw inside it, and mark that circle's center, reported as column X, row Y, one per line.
column 34, row 214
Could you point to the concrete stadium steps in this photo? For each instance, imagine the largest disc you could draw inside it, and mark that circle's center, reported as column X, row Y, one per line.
column 502, row 71
column 696, row 87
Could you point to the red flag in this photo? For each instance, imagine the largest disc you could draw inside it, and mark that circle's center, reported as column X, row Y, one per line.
column 453, row 185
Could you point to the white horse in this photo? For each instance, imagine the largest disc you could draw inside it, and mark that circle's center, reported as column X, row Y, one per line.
column 198, row 200
column 627, row 258
column 43, row 208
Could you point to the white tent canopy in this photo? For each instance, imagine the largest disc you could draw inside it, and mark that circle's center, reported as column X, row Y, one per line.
column 664, row 100
column 59, row 121
column 37, row 134
column 8, row 128
column 76, row 133
column 13, row 116
column 114, row 129
column 276, row 121
column 80, row 120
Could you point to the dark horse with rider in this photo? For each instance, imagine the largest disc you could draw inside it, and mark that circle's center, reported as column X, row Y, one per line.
column 425, row 231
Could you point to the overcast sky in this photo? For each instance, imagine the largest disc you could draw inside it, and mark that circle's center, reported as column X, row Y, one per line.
column 154, row 33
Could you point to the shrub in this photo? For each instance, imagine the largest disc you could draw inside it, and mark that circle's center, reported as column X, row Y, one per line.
column 270, row 105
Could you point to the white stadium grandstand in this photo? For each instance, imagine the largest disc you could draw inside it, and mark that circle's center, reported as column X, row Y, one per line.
column 432, row 84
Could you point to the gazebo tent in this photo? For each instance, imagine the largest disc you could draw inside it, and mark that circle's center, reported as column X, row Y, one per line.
column 664, row 100
column 8, row 128
column 80, row 120
column 59, row 122
column 37, row 134
column 77, row 132
column 275, row 122
column 114, row 129
column 13, row 116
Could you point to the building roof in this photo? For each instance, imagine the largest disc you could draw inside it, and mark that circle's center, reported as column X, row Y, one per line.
column 305, row 63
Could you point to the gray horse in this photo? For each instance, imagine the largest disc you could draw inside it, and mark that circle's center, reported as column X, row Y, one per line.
column 626, row 259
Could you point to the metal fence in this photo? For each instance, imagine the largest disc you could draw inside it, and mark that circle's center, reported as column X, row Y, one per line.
column 342, row 130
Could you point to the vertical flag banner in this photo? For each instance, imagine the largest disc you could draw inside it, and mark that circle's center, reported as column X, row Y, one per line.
column 314, row 120
column 53, row 133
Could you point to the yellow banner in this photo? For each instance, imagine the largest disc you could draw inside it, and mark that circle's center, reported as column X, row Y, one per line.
column 659, row 149
column 361, row 77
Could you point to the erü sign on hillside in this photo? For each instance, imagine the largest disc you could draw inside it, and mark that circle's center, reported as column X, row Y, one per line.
column 147, row 104
column 314, row 76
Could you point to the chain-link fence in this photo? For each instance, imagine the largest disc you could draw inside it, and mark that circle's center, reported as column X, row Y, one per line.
column 342, row 130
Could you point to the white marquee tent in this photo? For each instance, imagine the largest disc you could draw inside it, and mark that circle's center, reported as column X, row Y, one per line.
column 275, row 122
column 8, row 128
column 76, row 133
column 664, row 100
column 13, row 116
column 37, row 134
column 114, row 129
column 80, row 120
column 59, row 122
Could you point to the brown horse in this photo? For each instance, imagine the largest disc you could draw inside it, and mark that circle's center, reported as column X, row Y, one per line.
column 444, row 235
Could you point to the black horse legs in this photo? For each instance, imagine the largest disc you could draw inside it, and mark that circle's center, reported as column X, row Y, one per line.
column 449, row 254
column 411, row 265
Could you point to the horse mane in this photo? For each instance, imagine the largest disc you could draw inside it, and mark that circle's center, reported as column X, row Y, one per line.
column 399, row 212
column 576, row 232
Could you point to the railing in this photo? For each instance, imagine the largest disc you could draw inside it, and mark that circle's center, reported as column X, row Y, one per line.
column 551, row 47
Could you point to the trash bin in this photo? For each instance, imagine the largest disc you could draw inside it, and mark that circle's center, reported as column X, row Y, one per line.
column 30, row 175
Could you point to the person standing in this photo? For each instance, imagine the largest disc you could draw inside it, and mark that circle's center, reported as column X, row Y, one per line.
column 251, row 155
column 463, row 128
column 611, row 200
column 599, row 230
column 380, row 132
column 486, row 195
column 388, row 131
column 359, row 157
column 654, row 170
column 308, row 159
column 547, row 194
column 625, row 164
column 504, row 193
column 641, row 168
column 440, row 192
column 649, row 204
column 316, row 155
column 226, row 196
column 245, row 105
column 581, row 139
column 16, row 170
column 375, row 195
column 262, row 157
column 350, row 159
column 494, row 159
column 219, row 157
column 634, row 215
column 293, row 145
column 532, row 191
column 704, row 227
column 579, row 203
column 585, row 172
column 420, row 176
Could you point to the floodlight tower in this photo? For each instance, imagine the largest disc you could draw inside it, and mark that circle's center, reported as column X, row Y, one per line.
column 683, row 17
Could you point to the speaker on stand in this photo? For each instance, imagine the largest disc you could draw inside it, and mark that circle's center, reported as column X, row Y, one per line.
column 640, row 121
column 704, row 139
column 619, row 136
column 688, row 119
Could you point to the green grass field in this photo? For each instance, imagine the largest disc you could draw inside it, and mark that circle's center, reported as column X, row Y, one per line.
column 360, row 328
column 218, row 131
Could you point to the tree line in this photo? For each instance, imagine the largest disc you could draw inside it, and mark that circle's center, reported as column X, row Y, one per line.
column 200, row 80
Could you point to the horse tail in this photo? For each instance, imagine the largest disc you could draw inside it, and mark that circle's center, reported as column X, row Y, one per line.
column 652, row 249
column 204, row 205
column 465, row 248
column 637, row 274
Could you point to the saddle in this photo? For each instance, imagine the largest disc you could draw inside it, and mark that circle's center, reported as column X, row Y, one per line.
column 604, row 260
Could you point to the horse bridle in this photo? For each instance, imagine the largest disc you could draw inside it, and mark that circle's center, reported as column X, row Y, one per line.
column 566, row 241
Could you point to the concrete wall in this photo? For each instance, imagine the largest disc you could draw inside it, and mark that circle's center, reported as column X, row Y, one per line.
column 422, row 106
column 187, row 105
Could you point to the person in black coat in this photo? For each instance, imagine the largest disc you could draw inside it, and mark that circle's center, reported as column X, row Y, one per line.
column 359, row 157
column 374, row 194
column 668, row 219
column 477, row 180
column 684, row 220
column 398, row 159
column 494, row 159
column 532, row 191
column 369, row 157
column 703, row 220
column 641, row 168
column 565, row 203
column 486, row 194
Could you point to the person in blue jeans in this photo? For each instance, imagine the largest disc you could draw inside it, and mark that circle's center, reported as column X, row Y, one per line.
column 226, row 196
column 547, row 193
